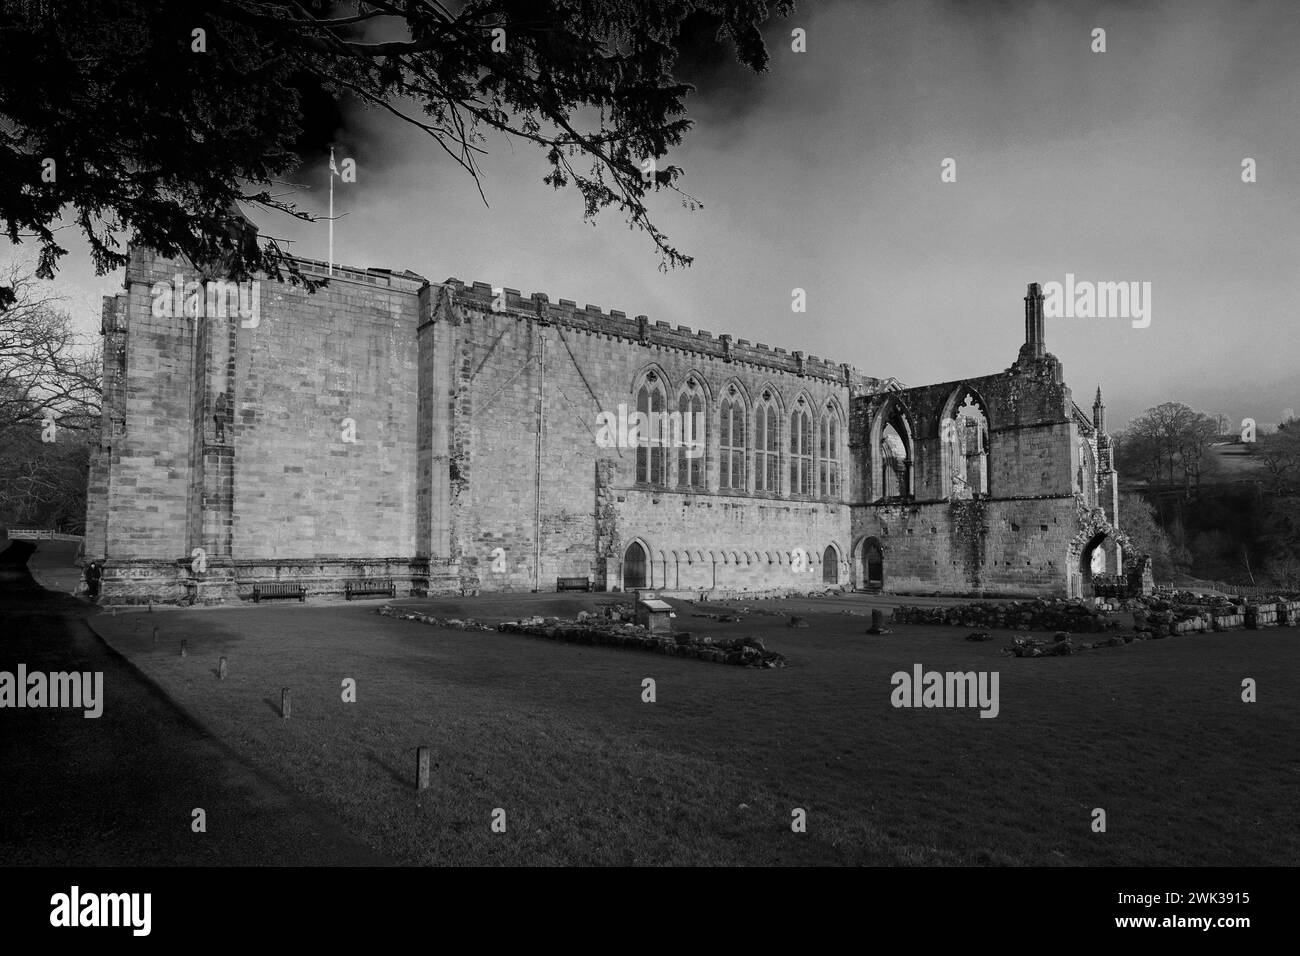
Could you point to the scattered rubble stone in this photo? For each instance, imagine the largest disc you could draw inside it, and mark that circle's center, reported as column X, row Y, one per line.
column 465, row 624
column 1038, row 615
column 745, row 651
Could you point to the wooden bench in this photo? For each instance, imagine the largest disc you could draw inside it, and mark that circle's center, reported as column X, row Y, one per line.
column 381, row 586
column 572, row 584
column 261, row 591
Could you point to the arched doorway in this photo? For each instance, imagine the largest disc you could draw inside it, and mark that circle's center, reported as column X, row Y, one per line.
column 830, row 565
column 871, row 565
column 1101, row 555
column 634, row 565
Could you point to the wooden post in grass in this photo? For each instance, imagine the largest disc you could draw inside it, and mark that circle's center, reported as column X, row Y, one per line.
column 421, row 768
column 284, row 702
column 184, row 652
column 155, row 635
column 221, row 669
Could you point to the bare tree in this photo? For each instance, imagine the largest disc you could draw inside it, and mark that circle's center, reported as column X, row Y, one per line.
column 1279, row 453
column 44, row 367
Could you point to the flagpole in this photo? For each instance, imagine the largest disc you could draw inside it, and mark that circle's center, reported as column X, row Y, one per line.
column 331, row 266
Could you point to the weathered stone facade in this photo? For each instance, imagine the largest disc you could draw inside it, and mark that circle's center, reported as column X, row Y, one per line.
column 461, row 439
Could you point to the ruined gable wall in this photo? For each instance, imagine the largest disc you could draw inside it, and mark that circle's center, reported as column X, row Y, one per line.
column 1015, row 541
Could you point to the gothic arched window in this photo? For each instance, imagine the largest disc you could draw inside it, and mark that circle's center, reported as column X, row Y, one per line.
column 691, row 446
column 731, row 443
column 801, row 450
column 828, row 467
column 651, row 455
column 767, row 475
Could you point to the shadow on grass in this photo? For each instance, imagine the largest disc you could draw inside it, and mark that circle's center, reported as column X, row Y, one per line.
column 405, row 781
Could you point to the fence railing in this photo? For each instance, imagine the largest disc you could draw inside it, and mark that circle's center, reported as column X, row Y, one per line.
column 1245, row 590
column 43, row 534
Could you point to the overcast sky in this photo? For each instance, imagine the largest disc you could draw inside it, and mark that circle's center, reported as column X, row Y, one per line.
column 824, row 174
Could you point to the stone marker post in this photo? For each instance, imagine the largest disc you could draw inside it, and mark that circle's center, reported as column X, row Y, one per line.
column 421, row 768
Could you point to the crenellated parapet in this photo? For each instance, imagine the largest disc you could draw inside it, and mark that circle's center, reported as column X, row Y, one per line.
column 482, row 298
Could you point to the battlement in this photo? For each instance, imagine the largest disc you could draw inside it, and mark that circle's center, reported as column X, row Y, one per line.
column 538, row 307
column 404, row 279
column 145, row 265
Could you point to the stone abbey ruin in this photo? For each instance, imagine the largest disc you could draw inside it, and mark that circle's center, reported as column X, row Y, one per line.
column 453, row 438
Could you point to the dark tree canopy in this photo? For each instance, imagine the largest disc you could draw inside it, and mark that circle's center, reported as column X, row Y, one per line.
column 112, row 117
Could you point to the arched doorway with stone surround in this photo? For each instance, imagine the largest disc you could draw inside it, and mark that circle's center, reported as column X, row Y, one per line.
column 831, row 565
column 1101, row 555
column 636, row 562
column 1098, row 547
column 869, row 565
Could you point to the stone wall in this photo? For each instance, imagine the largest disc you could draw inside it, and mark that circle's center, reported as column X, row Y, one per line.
column 524, row 363
column 476, row 463
column 980, row 547
column 1047, row 475
column 225, row 433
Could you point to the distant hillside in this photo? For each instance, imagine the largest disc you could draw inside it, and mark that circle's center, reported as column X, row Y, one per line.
column 1231, row 461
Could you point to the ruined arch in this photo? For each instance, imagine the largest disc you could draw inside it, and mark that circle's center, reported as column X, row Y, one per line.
column 964, row 428
column 1103, row 554
column 891, row 452
column 1097, row 544
column 868, row 569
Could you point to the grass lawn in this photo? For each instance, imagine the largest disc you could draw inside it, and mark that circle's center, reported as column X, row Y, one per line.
column 557, row 735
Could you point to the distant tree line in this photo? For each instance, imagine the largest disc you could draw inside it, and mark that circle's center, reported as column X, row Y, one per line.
column 1197, row 520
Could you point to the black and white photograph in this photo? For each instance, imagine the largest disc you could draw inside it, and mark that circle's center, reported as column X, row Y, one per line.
column 922, row 495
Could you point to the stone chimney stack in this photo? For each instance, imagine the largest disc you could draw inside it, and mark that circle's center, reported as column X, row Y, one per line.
column 1034, row 345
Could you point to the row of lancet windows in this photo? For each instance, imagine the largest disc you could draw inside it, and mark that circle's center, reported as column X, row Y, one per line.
column 765, row 441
